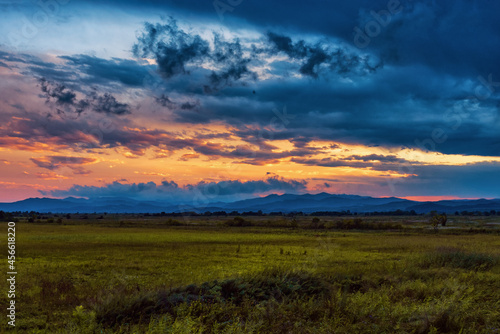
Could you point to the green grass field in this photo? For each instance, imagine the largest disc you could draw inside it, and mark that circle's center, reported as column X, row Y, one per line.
column 144, row 275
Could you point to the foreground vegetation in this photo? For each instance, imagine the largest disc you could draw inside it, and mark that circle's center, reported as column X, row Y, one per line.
column 132, row 274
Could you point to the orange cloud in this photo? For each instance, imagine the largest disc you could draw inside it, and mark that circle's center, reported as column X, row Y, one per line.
column 55, row 162
column 189, row 156
column 51, row 176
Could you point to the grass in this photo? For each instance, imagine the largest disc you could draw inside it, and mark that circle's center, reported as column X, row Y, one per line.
column 457, row 258
column 128, row 275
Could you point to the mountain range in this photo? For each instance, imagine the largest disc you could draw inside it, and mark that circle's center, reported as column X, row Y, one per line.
column 286, row 203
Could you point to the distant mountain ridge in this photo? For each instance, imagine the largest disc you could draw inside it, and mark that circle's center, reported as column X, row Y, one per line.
column 285, row 203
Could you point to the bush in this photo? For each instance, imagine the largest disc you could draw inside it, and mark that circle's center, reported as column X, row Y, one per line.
column 273, row 285
column 238, row 221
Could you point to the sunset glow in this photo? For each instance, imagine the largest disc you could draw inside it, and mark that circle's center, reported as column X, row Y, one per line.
column 186, row 99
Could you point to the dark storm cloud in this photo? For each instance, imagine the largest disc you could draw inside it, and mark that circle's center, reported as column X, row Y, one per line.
column 177, row 52
column 107, row 104
column 65, row 98
column 433, row 53
column 179, row 105
column 232, row 54
column 409, row 107
column 171, row 47
column 188, row 106
column 454, row 37
column 164, row 101
column 170, row 189
column 57, row 92
column 314, row 56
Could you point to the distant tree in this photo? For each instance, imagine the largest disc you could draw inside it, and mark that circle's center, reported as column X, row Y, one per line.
column 219, row 213
column 239, row 221
column 437, row 219
column 315, row 222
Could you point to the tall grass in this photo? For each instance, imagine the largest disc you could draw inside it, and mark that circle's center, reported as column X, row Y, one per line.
column 457, row 258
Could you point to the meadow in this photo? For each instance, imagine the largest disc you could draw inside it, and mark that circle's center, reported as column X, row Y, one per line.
column 137, row 274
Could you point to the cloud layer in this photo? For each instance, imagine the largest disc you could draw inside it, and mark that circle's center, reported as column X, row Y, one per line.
column 261, row 88
column 190, row 194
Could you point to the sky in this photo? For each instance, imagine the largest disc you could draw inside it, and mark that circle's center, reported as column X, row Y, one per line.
column 205, row 101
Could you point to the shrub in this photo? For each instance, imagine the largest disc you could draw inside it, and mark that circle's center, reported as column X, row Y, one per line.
column 238, row 221
column 273, row 285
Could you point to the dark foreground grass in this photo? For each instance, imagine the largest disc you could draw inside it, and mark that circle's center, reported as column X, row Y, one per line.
column 219, row 279
column 287, row 301
column 277, row 286
column 457, row 258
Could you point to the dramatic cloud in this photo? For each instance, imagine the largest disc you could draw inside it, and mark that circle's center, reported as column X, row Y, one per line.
column 448, row 36
column 179, row 53
column 57, row 92
column 372, row 161
column 171, row 47
column 55, row 162
column 398, row 90
column 65, row 98
column 312, row 57
column 200, row 192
